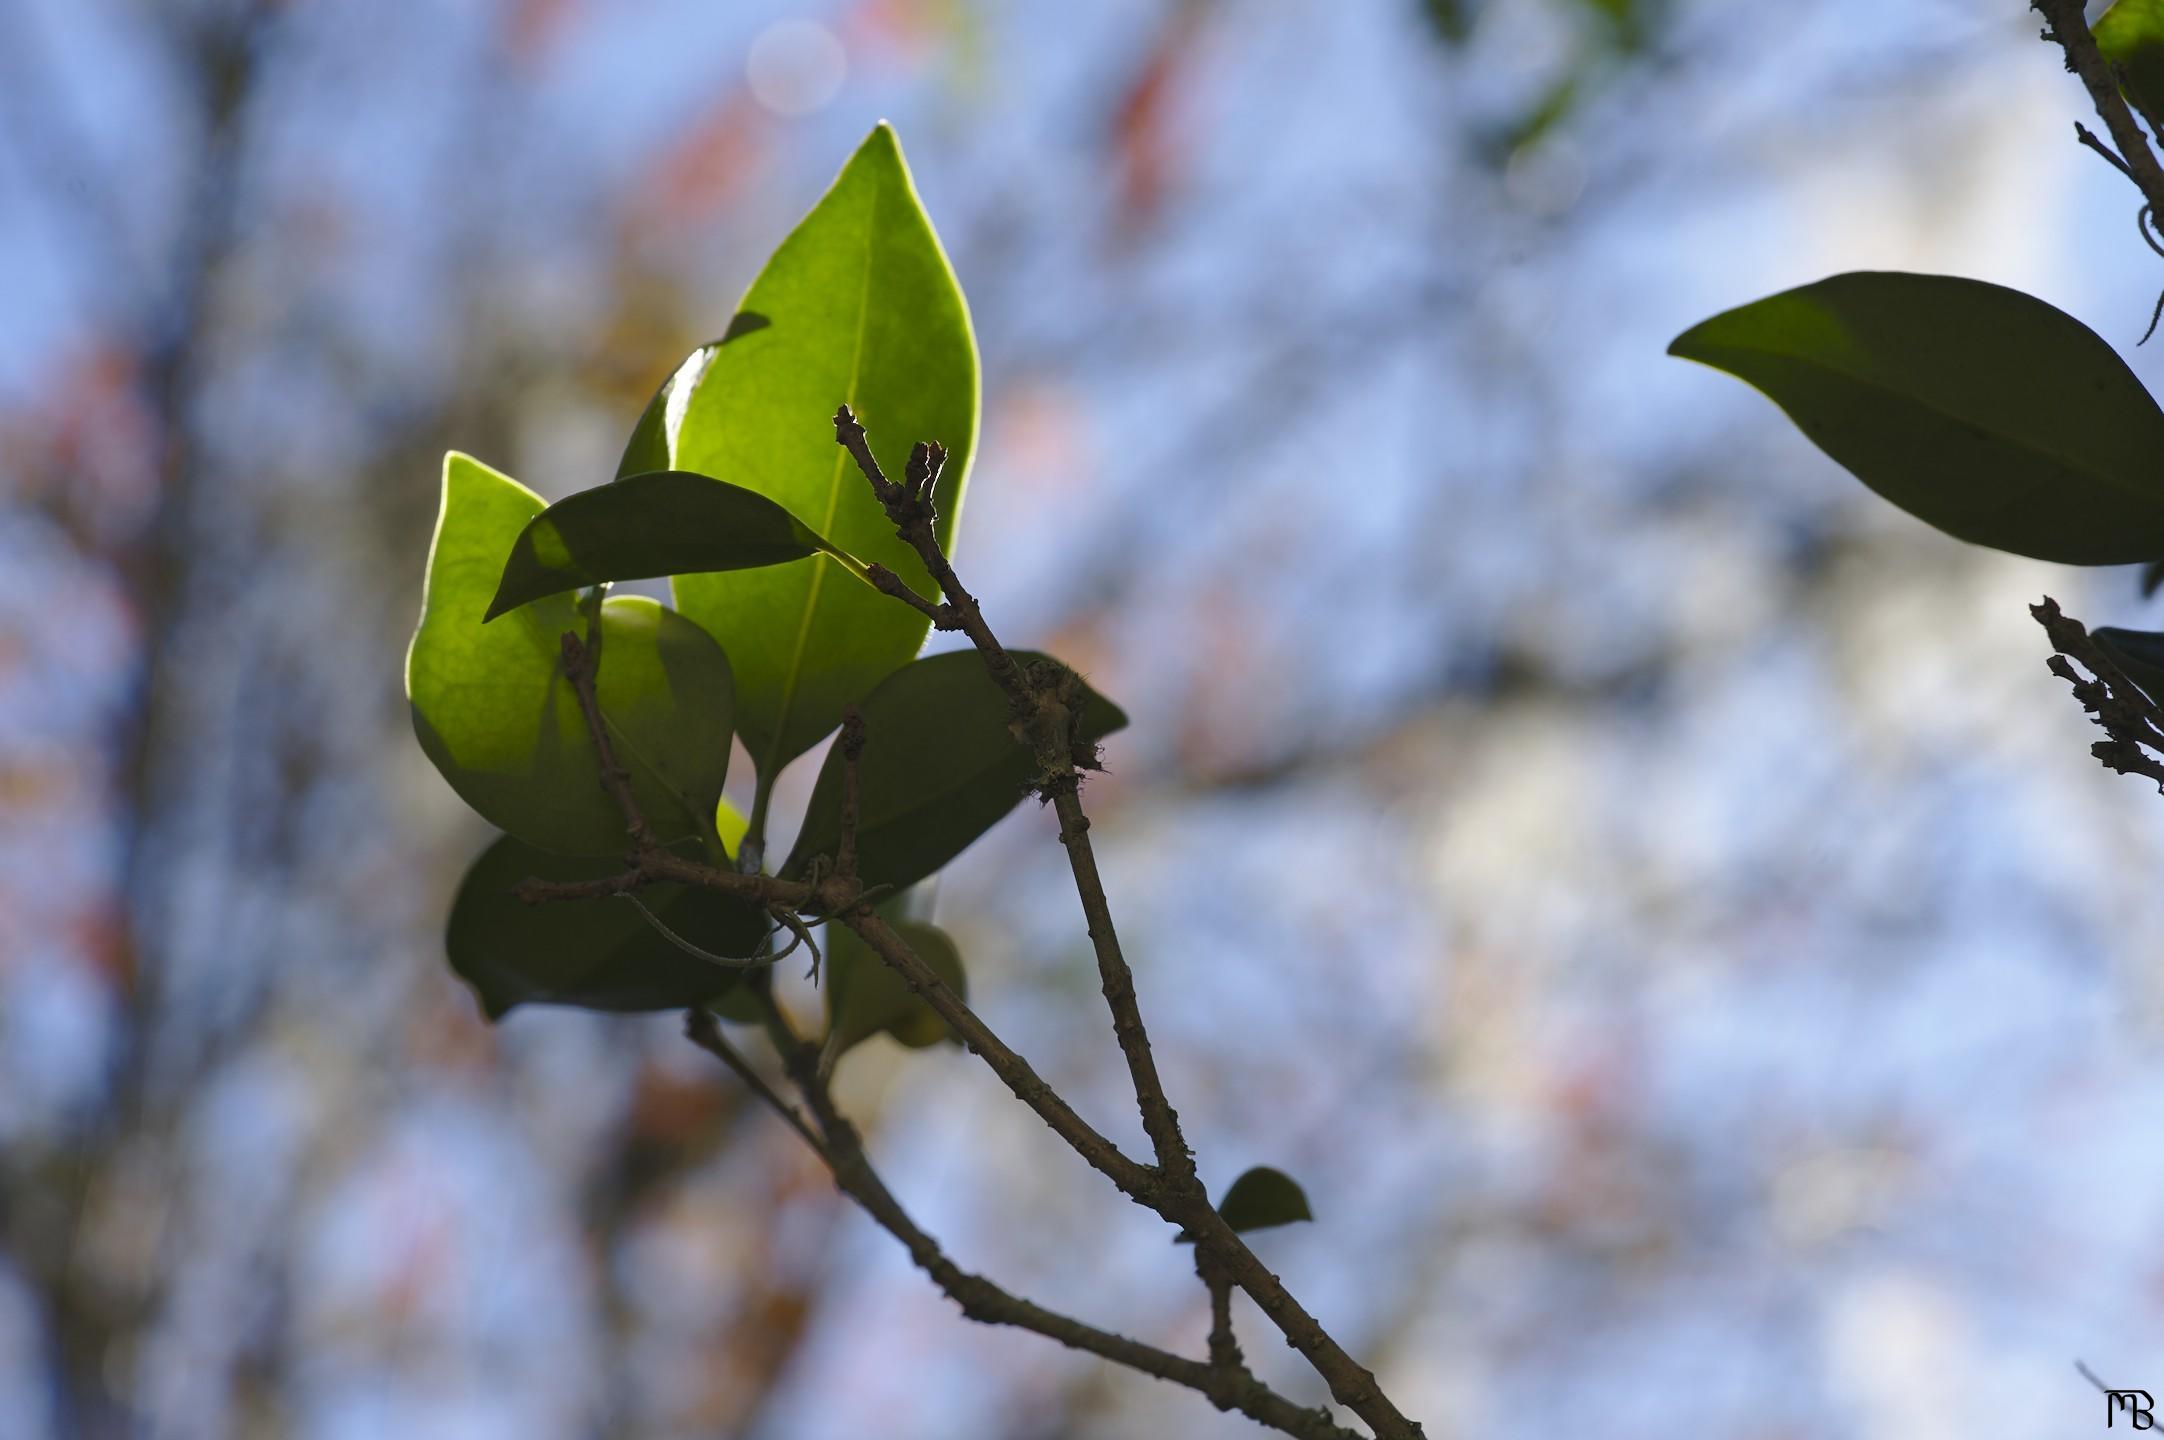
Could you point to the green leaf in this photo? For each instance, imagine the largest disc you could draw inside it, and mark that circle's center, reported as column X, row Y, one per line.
column 2140, row 653
column 494, row 712
column 1264, row 1197
column 652, row 445
column 730, row 825
column 654, row 436
column 1979, row 409
column 866, row 996
column 857, row 305
column 2131, row 36
column 595, row 954
column 1259, row 1199
column 940, row 767
column 669, row 522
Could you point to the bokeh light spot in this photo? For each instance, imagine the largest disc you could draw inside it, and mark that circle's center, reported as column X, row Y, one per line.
column 795, row 67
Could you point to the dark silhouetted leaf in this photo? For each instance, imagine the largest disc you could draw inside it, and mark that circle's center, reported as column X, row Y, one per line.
column 1452, row 20
column 670, row 522
column 495, row 714
column 865, row 995
column 940, row 767
column 859, row 306
column 2152, row 575
column 1979, row 409
column 2140, row 653
column 594, row 954
column 1259, row 1199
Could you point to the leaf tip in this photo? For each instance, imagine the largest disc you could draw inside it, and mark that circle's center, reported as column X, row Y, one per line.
column 884, row 145
column 1687, row 346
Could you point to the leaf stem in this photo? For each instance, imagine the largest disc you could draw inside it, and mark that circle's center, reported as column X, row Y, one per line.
column 751, row 850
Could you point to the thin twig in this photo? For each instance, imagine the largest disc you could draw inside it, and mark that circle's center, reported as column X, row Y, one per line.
column 1225, row 1354
column 2156, row 314
column 2087, row 137
column 1041, row 705
column 910, row 507
column 701, row 1029
column 886, row 581
column 652, row 863
column 841, row 1146
column 2070, row 29
column 725, row 962
column 800, row 934
column 579, row 669
column 852, row 904
column 1135, row 1180
column 2113, row 1399
column 2113, row 700
column 843, row 896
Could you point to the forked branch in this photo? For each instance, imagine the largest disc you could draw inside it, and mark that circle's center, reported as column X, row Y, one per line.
column 2132, row 723
column 838, row 1144
column 1041, row 705
column 2069, row 29
column 1224, row 1382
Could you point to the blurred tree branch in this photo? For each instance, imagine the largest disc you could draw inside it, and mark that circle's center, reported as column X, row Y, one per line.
column 161, row 317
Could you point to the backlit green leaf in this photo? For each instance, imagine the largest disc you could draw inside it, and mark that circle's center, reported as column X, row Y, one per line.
column 857, row 305
column 494, row 712
column 651, row 439
column 940, row 767
column 2131, row 36
column 1979, row 409
column 670, row 522
column 596, row 954
column 865, row 995
column 652, row 445
column 730, row 824
column 1259, row 1199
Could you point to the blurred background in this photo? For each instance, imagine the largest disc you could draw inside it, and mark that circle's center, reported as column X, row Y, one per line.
column 1648, row 890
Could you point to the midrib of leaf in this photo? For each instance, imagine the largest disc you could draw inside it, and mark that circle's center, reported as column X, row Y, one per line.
column 834, row 492
column 2012, row 442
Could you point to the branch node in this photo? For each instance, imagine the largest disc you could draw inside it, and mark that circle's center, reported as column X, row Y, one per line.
column 2131, row 721
column 2067, row 26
